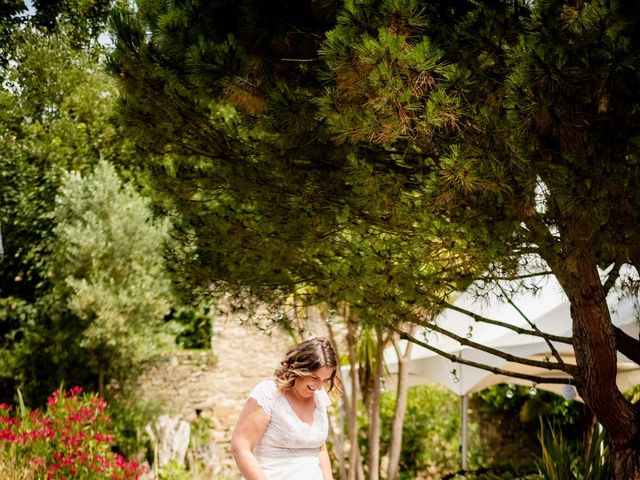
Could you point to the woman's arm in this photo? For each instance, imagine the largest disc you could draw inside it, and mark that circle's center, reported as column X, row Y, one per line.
column 247, row 433
column 325, row 463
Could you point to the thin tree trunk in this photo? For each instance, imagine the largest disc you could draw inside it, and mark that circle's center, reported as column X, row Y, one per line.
column 338, row 432
column 374, row 411
column 400, row 410
column 352, row 402
column 101, row 382
column 361, row 475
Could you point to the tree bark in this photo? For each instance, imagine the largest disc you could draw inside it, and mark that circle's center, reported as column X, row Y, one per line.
column 594, row 342
column 338, row 432
column 625, row 461
column 374, row 411
column 399, row 412
column 352, row 402
column 101, row 382
column 628, row 346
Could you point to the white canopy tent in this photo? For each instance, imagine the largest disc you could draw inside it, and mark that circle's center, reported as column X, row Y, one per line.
column 548, row 310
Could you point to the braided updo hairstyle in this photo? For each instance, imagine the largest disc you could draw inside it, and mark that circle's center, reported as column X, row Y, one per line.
column 304, row 359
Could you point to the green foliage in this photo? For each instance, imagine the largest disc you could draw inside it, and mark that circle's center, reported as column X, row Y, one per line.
column 172, row 470
column 11, row 16
column 12, row 467
column 509, row 417
column 633, row 394
column 595, row 461
column 566, row 460
column 57, row 116
column 529, row 407
column 129, row 416
column 431, row 431
column 87, row 17
column 201, row 430
column 110, row 271
column 196, row 328
column 557, row 456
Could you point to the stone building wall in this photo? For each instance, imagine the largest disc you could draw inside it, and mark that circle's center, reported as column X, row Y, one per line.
column 215, row 385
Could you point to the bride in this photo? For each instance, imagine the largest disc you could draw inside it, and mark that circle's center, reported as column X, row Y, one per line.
column 283, row 427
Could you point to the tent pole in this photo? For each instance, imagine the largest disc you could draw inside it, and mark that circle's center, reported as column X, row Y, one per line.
column 463, row 442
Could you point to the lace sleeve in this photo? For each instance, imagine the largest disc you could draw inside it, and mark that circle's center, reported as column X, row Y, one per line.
column 264, row 393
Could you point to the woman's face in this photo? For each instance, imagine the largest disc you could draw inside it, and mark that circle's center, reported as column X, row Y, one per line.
column 306, row 386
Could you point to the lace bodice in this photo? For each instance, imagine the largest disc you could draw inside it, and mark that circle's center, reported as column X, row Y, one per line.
column 287, row 435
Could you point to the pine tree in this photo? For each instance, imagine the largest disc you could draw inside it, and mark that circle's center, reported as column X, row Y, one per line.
column 396, row 147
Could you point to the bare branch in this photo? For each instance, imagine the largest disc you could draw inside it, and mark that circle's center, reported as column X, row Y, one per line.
column 299, row 60
column 627, row 345
column 570, row 369
column 492, row 278
column 498, row 371
column 532, row 325
column 523, row 331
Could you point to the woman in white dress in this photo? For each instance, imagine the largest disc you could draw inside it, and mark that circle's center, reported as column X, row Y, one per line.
column 282, row 430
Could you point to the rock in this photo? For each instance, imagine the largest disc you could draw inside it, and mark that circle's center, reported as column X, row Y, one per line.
column 206, row 457
column 171, row 435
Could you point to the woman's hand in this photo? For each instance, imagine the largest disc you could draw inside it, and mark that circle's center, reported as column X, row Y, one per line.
column 325, row 463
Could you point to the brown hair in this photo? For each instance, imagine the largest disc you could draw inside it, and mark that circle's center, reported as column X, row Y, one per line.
column 304, row 359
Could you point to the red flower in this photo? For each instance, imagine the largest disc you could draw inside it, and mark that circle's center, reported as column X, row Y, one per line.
column 69, row 440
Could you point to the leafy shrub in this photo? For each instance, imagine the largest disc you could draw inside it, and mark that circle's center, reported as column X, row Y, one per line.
column 195, row 327
column 174, row 471
column 129, row 416
column 431, row 432
column 509, row 417
column 72, row 439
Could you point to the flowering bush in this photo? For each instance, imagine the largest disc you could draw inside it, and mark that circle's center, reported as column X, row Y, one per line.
column 71, row 440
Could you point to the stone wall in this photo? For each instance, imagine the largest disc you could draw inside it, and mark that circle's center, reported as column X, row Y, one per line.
column 215, row 385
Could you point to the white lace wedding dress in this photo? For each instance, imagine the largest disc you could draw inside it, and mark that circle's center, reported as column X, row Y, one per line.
column 289, row 447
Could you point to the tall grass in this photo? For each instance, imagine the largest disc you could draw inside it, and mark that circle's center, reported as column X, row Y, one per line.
column 11, row 467
column 562, row 460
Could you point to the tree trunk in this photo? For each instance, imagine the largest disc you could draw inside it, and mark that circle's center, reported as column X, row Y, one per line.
column 352, row 402
column 101, row 382
column 374, row 411
column 625, row 461
column 595, row 348
column 338, row 432
column 399, row 411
